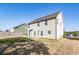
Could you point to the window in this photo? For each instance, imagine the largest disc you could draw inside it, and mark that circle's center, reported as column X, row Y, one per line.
column 41, row 33
column 49, row 32
column 34, row 32
column 46, row 22
column 38, row 24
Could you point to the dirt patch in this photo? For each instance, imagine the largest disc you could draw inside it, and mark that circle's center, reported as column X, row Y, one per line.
column 24, row 48
column 41, row 47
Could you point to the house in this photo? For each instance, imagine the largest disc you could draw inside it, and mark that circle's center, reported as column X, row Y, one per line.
column 50, row 26
column 11, row 30
column 21, row 28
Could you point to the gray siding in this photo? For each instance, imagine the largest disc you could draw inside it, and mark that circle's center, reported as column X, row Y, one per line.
column 21, row 29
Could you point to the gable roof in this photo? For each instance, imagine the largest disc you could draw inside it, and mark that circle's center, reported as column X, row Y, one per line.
column 20, row 25
column 51, row 16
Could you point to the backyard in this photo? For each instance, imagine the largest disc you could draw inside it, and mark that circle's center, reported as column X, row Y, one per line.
column 26, row 46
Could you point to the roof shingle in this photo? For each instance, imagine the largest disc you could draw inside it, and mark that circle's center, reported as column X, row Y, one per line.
column 51, row 16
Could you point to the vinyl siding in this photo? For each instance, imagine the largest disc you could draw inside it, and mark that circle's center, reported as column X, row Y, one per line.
column 45, row 28
column 54, row 25
column 60, row 26
column 21, row 29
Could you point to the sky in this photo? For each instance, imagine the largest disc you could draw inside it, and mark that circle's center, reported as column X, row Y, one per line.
column 13, row 14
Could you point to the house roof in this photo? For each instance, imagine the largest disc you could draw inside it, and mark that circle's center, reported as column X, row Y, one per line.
column 20, row 25
column 51, row 16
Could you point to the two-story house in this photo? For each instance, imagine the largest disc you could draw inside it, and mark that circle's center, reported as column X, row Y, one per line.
column 50, row 26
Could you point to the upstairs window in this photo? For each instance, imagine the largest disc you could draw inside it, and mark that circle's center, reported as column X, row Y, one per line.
column 38, row 24
column 45, row 22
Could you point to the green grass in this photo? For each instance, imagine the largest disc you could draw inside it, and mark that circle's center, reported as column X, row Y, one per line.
column 13, row 40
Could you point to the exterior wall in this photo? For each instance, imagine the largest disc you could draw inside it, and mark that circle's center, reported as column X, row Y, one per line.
column 11, row 30
column 42, row 27
column 60, row 28
column 21, row 29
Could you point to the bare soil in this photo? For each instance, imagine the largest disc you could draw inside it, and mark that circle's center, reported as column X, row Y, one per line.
column 62, row 46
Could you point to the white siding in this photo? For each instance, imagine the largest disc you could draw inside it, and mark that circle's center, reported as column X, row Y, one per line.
column 53, row 25
column 45, row 28
column 60, row 29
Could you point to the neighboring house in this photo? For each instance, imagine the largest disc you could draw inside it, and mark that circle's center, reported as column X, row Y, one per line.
column 21, row 28
column 50, row 26
column 11, row 30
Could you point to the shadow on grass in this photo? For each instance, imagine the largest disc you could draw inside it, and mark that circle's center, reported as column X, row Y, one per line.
column 27, row 47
